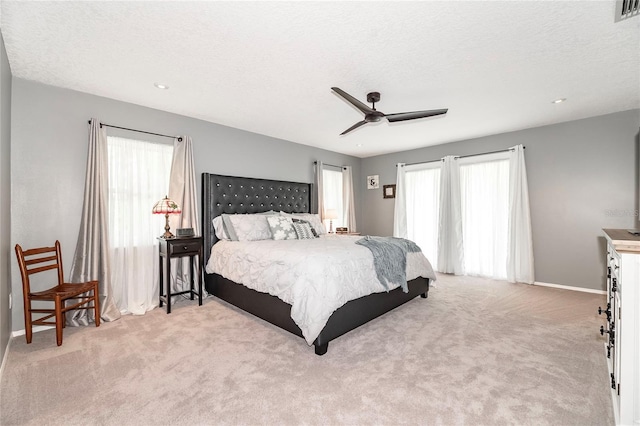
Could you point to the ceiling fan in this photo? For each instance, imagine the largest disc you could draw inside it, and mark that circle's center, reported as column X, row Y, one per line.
column 372, row 115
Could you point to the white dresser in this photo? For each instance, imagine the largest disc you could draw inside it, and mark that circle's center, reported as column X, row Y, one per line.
column 622, row 327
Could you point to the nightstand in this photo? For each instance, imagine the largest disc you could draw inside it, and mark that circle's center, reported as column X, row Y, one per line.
column 172, row 248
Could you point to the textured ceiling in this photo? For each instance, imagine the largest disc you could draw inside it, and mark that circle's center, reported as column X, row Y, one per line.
column 267, row 67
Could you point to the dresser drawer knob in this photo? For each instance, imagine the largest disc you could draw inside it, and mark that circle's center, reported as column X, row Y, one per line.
column 606, row 311
column 611, row 332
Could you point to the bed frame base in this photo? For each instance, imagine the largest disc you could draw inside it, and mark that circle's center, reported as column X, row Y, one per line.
column 321, row 349
column 346, row 318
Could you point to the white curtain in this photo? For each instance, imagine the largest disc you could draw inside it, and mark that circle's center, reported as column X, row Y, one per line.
column 421, row 191
column 520, row 241
column 332, row 186
column 484, row 185
column 182, row 190
column 138, row 178
column 91, row 259
column 348, row 202
column 319, row 178
column 400, row 207
column 450, row 240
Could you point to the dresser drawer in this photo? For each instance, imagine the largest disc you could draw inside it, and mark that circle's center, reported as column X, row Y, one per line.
column 177, row 247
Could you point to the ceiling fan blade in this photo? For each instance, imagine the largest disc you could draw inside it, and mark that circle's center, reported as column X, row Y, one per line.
column 402, row 116
column 355, row 126
column 353, row 101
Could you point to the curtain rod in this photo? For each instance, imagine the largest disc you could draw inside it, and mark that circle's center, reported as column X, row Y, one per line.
column 139, row 131
column 327, row 164
column 463, row 156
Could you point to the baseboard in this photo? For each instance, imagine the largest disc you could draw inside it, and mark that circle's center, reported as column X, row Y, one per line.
column 34, row 329
column 569, row 287
column 4, row 358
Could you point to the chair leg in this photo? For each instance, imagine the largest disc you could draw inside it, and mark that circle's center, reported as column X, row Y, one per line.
column 59, row 321
column 28, row 331
column 96, row 303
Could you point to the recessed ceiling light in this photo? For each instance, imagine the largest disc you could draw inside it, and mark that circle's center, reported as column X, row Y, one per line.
column 359, row 145
column 161, row 86
column 559, row 101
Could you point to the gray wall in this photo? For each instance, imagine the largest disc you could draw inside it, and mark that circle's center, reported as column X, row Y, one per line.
column 5, row 199
column 49, row 154
column 583, row 176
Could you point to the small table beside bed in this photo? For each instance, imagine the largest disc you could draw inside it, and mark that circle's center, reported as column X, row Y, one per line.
column 317, row 288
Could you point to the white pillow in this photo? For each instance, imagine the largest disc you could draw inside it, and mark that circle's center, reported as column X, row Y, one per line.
column 218, row 227
column 282, row 228
column 248, row 227
column 312, row 218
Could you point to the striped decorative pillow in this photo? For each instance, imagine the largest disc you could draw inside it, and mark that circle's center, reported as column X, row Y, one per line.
column 303, row 230
column 315, row 234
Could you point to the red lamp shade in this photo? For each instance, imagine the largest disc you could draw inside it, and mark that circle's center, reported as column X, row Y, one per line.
column 166, row 206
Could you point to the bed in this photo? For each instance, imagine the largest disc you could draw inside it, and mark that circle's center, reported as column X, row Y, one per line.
column 231, row 195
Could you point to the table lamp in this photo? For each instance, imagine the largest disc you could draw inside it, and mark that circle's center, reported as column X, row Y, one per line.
column 166, row 206
column 331, row 214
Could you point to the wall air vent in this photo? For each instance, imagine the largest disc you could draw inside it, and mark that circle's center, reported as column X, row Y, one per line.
column 627, row 9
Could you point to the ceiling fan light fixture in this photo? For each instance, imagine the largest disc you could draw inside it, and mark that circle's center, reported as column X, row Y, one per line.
column 371, row 115
column 161, row 86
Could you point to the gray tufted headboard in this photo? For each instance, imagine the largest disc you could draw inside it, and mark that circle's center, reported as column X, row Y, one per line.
column 231, row 194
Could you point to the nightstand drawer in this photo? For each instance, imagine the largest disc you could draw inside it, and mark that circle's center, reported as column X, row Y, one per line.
column 177, row 247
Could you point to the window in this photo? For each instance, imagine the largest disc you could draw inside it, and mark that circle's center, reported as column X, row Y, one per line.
column 332, row 193
column 138, row 177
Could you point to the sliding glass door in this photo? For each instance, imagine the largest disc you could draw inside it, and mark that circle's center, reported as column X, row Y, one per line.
column 422, row 184
column 484, row 199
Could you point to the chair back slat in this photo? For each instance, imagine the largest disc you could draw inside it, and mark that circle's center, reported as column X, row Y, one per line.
column 41, row 269
column 40, row 250
column 40, row 260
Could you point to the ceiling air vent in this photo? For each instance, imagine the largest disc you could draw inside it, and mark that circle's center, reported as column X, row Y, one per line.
column 627, row 9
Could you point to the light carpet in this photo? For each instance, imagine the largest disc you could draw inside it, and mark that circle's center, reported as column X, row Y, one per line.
column 476, row 352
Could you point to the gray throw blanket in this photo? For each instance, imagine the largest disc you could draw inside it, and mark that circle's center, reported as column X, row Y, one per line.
column 390, row 259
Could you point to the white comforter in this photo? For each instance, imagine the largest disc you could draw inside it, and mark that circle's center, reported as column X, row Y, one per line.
column 315, row 276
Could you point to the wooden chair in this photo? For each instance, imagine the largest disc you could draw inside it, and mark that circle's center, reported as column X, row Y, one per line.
column 43, row 259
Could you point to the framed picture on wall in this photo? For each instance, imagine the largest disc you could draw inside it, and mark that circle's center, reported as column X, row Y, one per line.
column 389, row 191
column 373, row 182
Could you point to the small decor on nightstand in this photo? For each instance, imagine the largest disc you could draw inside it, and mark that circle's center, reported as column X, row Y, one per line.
column 184, row 232
column 345, row 231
